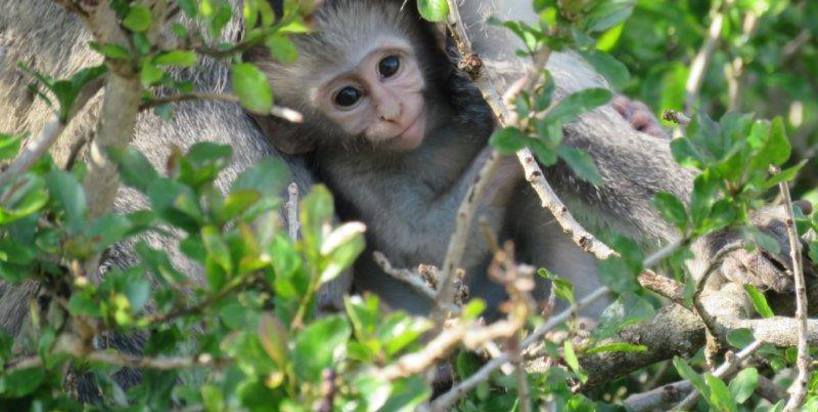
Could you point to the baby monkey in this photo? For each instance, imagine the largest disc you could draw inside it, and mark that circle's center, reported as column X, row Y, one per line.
column 394, row 130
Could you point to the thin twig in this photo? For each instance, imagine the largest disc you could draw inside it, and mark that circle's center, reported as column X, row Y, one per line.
column 413, row 279
column 293, row 225
column 663, row 286
column 798, row 389
column 277, row 111
column 72, row 347
column 445, row 401
column 699, row 65
column 468, row 334
column 52, row 130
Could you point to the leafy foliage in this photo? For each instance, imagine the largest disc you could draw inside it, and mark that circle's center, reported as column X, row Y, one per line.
column 248, row 334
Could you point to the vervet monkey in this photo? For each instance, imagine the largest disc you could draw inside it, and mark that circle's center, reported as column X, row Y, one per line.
column 60, row 48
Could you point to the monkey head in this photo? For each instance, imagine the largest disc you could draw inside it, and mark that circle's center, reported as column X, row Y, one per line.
column 364, row 75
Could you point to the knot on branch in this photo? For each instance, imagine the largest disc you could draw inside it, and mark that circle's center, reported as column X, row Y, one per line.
column 471, row 64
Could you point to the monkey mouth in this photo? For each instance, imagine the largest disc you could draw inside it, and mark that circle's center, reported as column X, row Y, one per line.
column 411, row 136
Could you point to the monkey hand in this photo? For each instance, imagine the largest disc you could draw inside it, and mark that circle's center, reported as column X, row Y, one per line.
column 639, row 116
column 759, row 267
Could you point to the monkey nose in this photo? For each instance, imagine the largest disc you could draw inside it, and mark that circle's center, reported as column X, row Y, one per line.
column 389, row 112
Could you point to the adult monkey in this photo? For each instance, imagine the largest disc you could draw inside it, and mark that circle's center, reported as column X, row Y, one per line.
column 399, row 137
column 59, row 49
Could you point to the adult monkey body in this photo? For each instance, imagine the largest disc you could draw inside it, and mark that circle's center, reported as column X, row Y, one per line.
column 60, row 48
column 373, row 74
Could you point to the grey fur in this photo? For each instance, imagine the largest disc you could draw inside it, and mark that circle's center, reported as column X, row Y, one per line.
column 51, row 40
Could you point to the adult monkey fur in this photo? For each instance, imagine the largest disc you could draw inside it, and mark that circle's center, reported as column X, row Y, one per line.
column 60, row 48
column 398, row 135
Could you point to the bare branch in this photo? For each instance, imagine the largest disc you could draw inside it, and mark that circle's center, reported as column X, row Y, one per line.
column 798, row 390
column 293, row 225
column 285, row 113
column 72, row 346
column 445, row 401
column 698, row 66
column 471, row 335
column 730, row 365
column 663, row 286
column 413, row 279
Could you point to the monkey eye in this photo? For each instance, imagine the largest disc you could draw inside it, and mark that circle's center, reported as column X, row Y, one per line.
column 347, row 97
column 389, row 65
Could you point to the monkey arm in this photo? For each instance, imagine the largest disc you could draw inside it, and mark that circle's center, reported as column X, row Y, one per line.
column 410, row 207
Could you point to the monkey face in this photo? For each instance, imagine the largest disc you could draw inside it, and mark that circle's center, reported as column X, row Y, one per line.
column 377, row 94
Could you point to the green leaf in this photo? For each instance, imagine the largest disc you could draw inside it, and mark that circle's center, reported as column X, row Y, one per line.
column 315, row 346
column 580, row 102
column 282, row 49
column 545, row 154
column 686, row 372
column 274, row 336
column 178, row 58
column 607, row 14
column 744, row 384
column 614, row 71
column 739, row 338
column 778, row 149
column 252, row 87
column 581, row 163
column 399, row 330
column 138, row 19
column 67, row 91
column 508, row 140
column 342, row 246
column 150, row 74
column 572, row 361
column 111, row 50
column 671, row 208
column 563, row 289
column 134, row 168
column 189, row 6
column 433, row 10
column 82, row 304
column 70, row 195
column 317, row 210
column 217, row 248
column 786, row 175
column 175, row 203
column 759, row 301
column 720, row 397
column 268, row 177
column 623, row 347
column 237, row 202
column 21, row 382
column 9, row 145
column 108, row 229
column 615, row 273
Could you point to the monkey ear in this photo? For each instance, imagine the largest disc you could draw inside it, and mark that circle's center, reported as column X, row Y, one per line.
column 284, row 136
